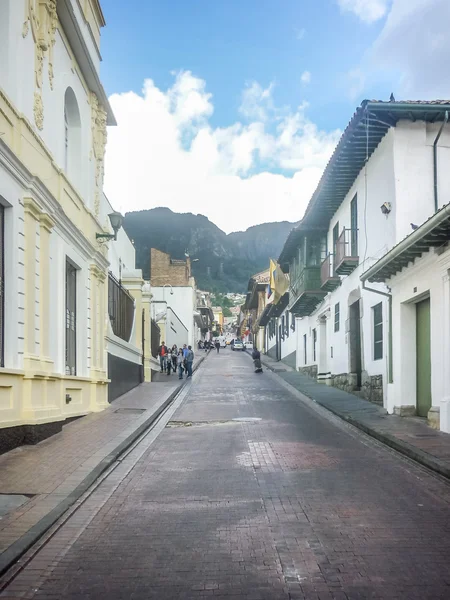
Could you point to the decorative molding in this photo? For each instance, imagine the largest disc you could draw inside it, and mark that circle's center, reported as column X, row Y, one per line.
column 98, row 273
column 31, row 207
column 99, row 138
column 41, row 17
column 47, row 222
column 38, row 111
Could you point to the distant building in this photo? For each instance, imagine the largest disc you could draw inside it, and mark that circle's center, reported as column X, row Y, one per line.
column 173, row 285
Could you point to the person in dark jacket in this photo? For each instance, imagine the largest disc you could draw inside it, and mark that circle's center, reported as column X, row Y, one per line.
column 189, row 361
column 256, row 355
column 217, row 345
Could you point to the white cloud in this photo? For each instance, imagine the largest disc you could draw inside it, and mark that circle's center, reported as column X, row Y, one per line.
column 414, row 46
column 257, row 102
column 368, row 11
column 306, row 77
column 411, row 54
column 164, row 152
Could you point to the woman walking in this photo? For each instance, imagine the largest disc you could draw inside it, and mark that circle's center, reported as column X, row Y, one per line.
column 169, row 362
column 180, row 363
column 174, row 357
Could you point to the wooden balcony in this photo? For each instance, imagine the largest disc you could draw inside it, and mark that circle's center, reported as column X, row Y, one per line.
column 329, row 280
column 305, row 292
column 346, row 252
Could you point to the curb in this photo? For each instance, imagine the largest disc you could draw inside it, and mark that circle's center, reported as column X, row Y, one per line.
column 416, row 454
column 18, row 548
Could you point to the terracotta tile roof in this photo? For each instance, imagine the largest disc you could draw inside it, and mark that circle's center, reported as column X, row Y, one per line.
column 263, row 277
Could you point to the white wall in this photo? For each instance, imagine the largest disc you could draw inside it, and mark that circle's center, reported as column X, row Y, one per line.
column 414, row 173
column 289, row 344
column 176, row 332
column 429, row 275
column 18, row 81
column 182, row 301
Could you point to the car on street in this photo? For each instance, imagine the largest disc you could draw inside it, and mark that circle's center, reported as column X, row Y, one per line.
column 238, row 345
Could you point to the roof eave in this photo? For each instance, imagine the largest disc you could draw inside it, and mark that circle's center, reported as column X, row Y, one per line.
column 373, row 274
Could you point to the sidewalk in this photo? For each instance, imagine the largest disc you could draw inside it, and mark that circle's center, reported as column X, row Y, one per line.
column 409, row 435
column 44, row 480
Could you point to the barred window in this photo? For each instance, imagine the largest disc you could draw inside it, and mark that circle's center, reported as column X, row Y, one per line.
column 120, row 309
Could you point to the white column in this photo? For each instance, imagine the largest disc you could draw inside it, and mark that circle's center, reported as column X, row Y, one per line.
column 445, row 400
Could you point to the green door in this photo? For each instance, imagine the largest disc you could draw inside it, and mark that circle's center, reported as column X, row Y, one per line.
column 423, row 366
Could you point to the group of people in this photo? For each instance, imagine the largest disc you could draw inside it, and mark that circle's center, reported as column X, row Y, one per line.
column 176, row 359
column 208, row 345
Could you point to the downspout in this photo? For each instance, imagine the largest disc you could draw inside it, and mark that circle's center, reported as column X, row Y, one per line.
column 390, row 359
column 435, row 173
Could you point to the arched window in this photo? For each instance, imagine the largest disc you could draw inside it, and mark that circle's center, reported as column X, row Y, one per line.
column 72, row 136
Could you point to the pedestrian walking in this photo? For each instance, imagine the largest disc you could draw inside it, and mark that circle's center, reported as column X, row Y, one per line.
column 217, row 344
column 180, row 360
column 185, row 351
column 162, row 353
column 169, row 361
column 174, row 357
column 206, row 345
column 189, row 361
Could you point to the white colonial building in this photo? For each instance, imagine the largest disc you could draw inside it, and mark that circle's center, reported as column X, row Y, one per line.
column 54, row 339
column 386, row 177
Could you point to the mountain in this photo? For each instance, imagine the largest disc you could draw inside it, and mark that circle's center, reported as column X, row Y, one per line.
column 225, row 262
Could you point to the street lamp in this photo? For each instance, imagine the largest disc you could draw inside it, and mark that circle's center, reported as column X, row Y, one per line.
column 171, row 290
column 116, row 220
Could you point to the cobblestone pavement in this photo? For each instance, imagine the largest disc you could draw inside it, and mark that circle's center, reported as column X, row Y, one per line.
column 249, row 493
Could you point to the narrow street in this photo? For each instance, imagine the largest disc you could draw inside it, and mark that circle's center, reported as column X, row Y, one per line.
column 245, row 491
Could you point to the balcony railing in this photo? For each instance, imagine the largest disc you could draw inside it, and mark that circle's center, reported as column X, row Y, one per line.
column 346, row 252
column 305, row 292
column 329, row 279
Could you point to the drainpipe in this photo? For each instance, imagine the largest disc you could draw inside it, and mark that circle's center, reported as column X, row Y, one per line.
column 435, row 174
column 390, row 359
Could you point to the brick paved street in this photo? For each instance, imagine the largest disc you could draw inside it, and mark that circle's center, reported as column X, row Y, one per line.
column 250, row 493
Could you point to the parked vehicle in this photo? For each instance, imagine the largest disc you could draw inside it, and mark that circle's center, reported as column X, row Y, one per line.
column 238, row 345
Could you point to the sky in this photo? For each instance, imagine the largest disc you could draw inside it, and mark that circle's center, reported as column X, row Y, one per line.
column 232, row 108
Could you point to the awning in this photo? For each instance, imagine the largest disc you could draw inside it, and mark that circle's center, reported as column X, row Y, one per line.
column 433, row 233
column 266, row 315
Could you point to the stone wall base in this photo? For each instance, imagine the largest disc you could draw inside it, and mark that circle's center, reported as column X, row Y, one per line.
column 434, row 420
column 405, row 411
column 371, row 385
column 311, row 371
column 372, row 388
column 344, row 381
column 22, row 435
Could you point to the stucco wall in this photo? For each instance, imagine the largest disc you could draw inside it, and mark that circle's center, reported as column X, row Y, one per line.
column 182, row 301
column 428, row 276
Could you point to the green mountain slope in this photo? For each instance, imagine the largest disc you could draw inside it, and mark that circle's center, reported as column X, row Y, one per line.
column 225, row 262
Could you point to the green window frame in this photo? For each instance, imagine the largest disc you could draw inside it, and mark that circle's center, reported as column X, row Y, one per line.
column 337, row 314
column 377, row 318
column 305, row 348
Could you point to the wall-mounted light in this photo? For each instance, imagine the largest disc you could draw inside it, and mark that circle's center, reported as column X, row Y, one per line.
column 116, row 220
column 386, row 208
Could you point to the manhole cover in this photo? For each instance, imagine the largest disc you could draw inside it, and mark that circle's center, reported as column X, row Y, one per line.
column 130, row 411
column 9, row 502
column 247, row 419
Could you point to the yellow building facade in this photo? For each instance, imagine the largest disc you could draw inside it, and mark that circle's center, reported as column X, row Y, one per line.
column 53, row 118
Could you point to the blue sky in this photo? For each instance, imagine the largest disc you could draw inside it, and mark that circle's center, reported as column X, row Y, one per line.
column 232, row 42
column 232, row 108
